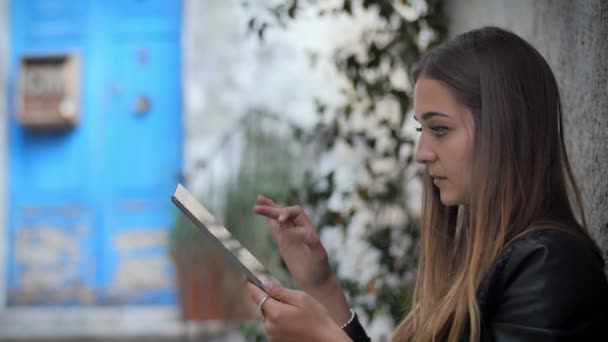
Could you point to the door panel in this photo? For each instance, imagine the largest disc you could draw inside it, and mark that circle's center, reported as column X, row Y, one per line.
column 46, row 19
column 50, row 163
column 137, row 268
column 142, row 137
column 53, row 263
column 144, row 151
column 51, row 220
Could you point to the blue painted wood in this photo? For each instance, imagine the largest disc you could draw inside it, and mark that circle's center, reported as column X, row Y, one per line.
column 94, row 200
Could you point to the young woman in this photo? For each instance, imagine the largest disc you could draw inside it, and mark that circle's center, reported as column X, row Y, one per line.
column 503, row 254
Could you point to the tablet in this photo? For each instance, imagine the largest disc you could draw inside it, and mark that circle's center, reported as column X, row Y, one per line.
column 230, row 247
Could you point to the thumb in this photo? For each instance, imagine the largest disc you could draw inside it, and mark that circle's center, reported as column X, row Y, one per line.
column 282, row 294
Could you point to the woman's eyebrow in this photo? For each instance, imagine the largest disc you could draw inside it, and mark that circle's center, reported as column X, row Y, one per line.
column 426, row 116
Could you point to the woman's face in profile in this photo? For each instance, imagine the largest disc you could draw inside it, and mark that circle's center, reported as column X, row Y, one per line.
column 446, row 139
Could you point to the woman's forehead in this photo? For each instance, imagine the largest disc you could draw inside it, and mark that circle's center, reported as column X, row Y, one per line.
column 432, row 97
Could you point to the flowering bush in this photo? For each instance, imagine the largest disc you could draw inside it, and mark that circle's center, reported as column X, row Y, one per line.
column 361, row 186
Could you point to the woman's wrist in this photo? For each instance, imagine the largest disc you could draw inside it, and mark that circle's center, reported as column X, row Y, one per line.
column 331, row 295
column 336, row 334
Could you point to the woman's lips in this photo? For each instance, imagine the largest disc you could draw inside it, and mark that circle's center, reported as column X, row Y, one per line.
column 438, row 180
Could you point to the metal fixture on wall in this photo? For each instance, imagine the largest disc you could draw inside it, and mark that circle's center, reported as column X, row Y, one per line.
column 49, row 92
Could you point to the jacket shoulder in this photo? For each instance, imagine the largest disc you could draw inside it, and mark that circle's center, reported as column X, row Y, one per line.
column 546, row 283
column 550, row 250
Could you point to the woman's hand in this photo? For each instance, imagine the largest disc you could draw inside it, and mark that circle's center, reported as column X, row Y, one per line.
column 304, row 255
column 291, row 315
column 298, row 242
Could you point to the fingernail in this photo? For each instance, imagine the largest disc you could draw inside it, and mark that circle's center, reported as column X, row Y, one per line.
column 268, row 286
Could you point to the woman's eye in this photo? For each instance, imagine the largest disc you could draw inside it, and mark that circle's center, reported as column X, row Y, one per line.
column 439, row 130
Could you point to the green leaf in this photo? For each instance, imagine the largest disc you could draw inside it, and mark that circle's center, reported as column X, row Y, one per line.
column 348, row 7
column 348, row 110
column 371, row 142
column 349, row 140
column 320, row 107
column 261, row 31
column 363, row 193
column 291, row 12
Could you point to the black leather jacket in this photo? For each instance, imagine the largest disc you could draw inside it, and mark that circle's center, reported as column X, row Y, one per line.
column 547, row 286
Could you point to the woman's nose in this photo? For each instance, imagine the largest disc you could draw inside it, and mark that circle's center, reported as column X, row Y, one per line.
column 424, row 155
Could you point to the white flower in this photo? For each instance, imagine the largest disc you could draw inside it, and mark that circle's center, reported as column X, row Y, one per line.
column 385, row 144
column 335, row 202
column 358, row 261
column 381, row 327
column 383, row 166
column 368, row 299
column 333, row 240
column 393, row 216
column 412, row 11
column 391, row 280
column 404, row 151
column 414, row 196
column 359, row 122
column 346, row 163
column 426, row 36
column 322, row 185
column 363, row 317
column 400, row 244
column 360, row 222
column 369, row 265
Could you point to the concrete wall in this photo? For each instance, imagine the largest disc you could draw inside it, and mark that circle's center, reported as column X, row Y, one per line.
column 573, row 36
column 4, row 44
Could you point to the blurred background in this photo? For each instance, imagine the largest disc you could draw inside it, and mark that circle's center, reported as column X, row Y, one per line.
column 107, row 104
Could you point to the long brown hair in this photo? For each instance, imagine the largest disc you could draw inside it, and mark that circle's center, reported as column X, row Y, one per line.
column 521, row 176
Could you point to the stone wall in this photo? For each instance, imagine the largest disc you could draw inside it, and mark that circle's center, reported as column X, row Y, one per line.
column 573, row 37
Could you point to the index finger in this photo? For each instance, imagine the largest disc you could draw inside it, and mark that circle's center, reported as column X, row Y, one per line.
column 268, row 211
column 255, row 293
column 272, row 307
column 265, row 201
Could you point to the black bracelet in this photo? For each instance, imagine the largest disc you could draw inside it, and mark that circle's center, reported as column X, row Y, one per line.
column 354, row 330
column 352, row 316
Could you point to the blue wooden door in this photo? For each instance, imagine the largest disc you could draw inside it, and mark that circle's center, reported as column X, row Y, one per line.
column 89, row 208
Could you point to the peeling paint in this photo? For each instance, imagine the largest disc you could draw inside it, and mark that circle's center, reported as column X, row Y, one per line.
column 45, row 245
column 140, row 239
column 141, row 266
column 49, row 260
column 142, row 273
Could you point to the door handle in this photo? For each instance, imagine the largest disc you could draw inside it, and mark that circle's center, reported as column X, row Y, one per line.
column 142, row 105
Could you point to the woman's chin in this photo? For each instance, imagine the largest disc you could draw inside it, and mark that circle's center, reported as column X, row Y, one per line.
column 449, row 200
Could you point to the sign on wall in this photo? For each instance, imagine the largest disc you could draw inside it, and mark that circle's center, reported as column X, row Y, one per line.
column 49, row 92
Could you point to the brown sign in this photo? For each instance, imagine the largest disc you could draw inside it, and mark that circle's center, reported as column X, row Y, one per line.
column 49, row 91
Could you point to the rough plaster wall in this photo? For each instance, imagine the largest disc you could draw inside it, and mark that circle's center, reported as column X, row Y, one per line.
column 3, row 147
column 573, row 36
